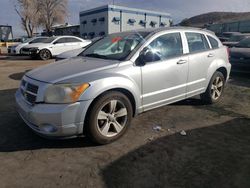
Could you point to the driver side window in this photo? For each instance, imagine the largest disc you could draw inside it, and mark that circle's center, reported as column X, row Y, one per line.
column 167, row 46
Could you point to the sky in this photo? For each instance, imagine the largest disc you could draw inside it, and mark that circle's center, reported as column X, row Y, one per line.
column 179, row 9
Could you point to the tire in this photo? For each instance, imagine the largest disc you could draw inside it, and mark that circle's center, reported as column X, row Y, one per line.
column 215, row 89
column 45, row 54
column 109, row 117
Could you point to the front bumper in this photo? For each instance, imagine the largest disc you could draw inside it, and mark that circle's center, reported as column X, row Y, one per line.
column 53, row 120
column 31, row 52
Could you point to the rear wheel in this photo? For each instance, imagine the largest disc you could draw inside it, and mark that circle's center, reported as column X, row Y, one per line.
column 215, row 89
column 109, row 117
column 45, row 54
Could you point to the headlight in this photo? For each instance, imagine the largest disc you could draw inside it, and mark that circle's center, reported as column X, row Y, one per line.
column 64, row 93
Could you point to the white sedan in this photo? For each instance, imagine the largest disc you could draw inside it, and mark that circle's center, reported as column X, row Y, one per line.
column 54, row 46
column 15, row 49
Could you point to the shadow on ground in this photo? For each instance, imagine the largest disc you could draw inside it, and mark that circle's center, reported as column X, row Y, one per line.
column 240, row 79
column 217, row 156
column 19, row 75
column 16, row 136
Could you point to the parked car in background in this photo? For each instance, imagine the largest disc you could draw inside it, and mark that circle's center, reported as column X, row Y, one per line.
column 74, row 53
column 235, row 39
column 228, row 35
column 16, row 48
column 240, row 56
column 54, row 46
column 98, row 93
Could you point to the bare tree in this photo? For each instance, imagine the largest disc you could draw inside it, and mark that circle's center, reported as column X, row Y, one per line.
column 28, row 11
column 52, row 12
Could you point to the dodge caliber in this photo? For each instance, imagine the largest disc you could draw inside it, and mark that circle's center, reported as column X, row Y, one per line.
column 119, row 76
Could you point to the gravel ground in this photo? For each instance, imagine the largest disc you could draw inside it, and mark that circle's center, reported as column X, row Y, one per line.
column 214, row 153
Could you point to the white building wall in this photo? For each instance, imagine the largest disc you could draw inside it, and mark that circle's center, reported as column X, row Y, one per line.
column 129, row 26
column 99, row 26
column 113, row 27
column 123, row 14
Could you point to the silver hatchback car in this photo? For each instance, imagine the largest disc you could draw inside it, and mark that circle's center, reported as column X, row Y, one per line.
column 120, row 76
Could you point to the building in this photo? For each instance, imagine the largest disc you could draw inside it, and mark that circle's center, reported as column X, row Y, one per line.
column 5, row 33
column 63, row 29
column 68, row 30
column 239, row 26
column 111, row 19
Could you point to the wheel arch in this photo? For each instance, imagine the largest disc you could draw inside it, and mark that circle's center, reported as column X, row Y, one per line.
column 124, row 91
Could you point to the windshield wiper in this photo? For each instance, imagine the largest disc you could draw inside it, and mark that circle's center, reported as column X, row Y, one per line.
column 96, row 56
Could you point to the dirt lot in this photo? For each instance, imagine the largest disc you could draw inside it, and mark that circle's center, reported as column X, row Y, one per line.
column 214, row 153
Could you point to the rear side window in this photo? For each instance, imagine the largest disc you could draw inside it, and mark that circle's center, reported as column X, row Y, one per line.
column 167, row 46
column 197, row 42
column 214, row 43
column 61, row 40
column 72, row 40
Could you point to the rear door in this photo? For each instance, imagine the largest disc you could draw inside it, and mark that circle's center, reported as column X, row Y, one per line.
column 59, row 46
column 164, row 81
column 73, row 43
column 200, row 58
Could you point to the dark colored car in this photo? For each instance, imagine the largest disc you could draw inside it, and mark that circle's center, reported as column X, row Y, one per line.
column 240, row 56
column 235, row 39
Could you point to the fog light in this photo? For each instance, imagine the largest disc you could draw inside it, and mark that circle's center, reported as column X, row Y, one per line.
column 48, row 128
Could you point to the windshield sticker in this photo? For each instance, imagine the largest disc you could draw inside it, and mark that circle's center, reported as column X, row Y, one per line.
column 116, row 39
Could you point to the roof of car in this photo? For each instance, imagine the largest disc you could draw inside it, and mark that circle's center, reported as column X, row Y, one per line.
column 156, row 30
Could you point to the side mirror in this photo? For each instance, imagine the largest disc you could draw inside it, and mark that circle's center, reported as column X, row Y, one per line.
column 146, row 56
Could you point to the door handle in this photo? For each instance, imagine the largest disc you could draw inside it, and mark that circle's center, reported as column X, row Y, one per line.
column 210, row 55
column 180, row 62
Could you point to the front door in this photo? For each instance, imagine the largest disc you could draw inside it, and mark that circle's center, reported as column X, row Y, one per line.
column 164, row 81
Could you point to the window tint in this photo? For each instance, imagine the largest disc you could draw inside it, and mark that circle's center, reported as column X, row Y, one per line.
column 196, row 42
column 62, row 40
column 72, row 40
column 214, row 43
column 167, row 46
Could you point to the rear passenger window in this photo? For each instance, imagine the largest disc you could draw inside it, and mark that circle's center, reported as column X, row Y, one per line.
column 73, row 40
column 197, row 42
column 167, row 46
column 214, row 43
column 61, row 40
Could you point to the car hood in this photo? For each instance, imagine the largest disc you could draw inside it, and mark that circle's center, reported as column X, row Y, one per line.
column 71, row 53
column 38, row 45
column 70, row 68
column 240, row 52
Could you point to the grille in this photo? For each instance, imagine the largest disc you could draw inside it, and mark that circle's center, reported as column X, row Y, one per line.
column 29, row 91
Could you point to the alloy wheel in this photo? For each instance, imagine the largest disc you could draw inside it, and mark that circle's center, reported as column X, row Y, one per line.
column 112, row 118
column 217, row 88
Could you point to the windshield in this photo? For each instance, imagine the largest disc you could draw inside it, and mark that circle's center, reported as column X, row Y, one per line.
column 244, row 43
column 115, row 46
column 38, row 40
column 49, row 40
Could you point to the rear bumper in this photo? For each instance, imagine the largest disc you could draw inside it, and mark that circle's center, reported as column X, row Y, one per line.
column 53, row 120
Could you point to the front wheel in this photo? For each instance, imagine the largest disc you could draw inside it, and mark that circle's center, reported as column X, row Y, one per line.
column 44, row 54
column 215, row 89
column 109, row 117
